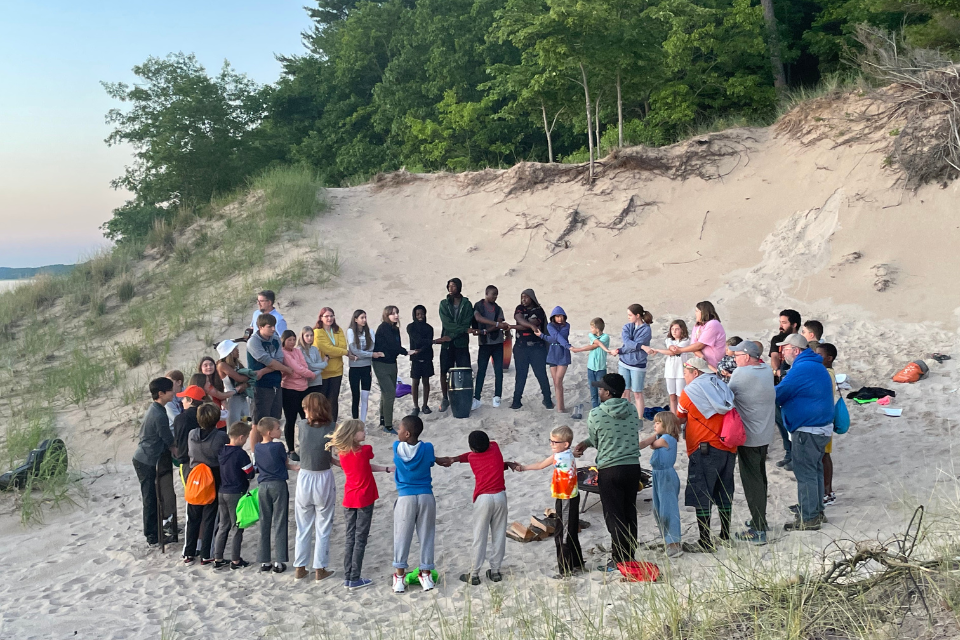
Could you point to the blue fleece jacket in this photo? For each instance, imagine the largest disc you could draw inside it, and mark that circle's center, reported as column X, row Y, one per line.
column 633, row 338
column 413, row 476
column 558, row 337
column 805, row 394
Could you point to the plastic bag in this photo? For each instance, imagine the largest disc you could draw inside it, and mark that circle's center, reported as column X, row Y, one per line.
column 248, row 509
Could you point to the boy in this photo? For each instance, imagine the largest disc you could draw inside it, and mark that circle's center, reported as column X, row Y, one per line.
column 597, row 362
column 236, row 471
column 168, row 498
column 812, row 330
column 204, row 445
column 272, row 465
column 829, row 353
column 416, row 507
column 155, row 437
column 175, row 407
column 728, row 362
column 489, row 504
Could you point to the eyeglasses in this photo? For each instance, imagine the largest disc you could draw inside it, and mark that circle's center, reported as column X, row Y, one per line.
column 328, row 315
column 558, row 442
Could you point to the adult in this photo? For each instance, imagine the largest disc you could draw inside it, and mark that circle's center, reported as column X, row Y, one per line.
column 265, row 304
column 612, row 428
column 754, row 398
column 708, row 336
column 265, row 358
column 314, row 360
column 456, row 318
column 633, row 357
column 790, row 322
column 491, row 325
column 386, row 342
column 155, row 438
column 702, row 404
column 805, row 398
column 227, row 369
column 529, row 350
column 293, row 388
column 360, row 350
column 330, row 340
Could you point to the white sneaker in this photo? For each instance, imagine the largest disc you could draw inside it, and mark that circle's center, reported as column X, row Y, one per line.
column 426, row 581
column 399, row 586
column 476, row 405
column 496, row 401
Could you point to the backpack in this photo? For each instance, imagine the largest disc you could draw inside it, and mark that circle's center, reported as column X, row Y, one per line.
column 248, row 509
column 841, row 417
column 733, row 434
column 200, row 489
column 911, row 373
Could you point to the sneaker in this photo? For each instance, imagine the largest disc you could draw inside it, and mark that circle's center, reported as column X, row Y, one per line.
column 357, row 584
column 188, row 559
column 279, row 567
column 240, row 564
column 784, row 462
column 426, row 410
column 266, row 567
column 399, row 586
column 205, row 561
column 322, row 574
column 294, row 456
column 390, row 430
column 830, row 498
column 496, row 401
column 548, row 403
column 444, row 405
column 415, row 412
column 470, row 579
column 807, row 525
column 752, row 536
column 515, row 405
column 788, row 466
column 794, row 509
column 674, row 551
column 494, row 576
column 610, row 567
column 426, row 581
column 475, row 405
column 220, row 564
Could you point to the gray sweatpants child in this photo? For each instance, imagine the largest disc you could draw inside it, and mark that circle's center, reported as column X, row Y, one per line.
column 274, row 501
column 414, row 512
column 489, row 513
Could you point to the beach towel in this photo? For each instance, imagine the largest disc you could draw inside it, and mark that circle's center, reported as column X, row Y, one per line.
column 710, row 395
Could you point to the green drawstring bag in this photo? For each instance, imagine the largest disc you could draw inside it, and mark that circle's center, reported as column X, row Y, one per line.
column 412, row 576
column 248, row 509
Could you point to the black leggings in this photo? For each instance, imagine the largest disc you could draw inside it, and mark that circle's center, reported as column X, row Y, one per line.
column 360, row 379
column 292, row 409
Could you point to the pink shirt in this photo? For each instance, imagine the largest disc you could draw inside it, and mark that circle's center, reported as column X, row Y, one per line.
column 714, row 340
column 301, row 376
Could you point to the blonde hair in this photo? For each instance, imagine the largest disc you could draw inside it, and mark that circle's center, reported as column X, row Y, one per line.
column 266, row 425
column 669, row 422
column 563, row 433
column 300, row 343
column 343, row 438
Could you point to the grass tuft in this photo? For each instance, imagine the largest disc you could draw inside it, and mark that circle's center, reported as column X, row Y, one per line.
column 162, row 237
column 126, row 290
column 131, row 354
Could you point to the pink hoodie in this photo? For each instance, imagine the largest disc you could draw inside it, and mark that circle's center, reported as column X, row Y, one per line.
column 301, row 376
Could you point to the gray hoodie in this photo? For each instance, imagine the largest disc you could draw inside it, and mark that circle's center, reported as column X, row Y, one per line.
column 205, row 446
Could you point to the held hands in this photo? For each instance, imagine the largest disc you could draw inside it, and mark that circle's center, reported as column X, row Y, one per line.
column 446, row 461
column 674, row 350
column 378, row 354
column 514, row 466
column 579, row 449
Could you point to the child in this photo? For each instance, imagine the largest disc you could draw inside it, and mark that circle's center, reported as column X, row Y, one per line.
column 359, row 494
column 204, row 445
column 673, row 365
column 829, row 353
column 489, row 504
column 274, row 498
column 316, row 489
column 175, row 406
column 597, row 362
column 236, row 471
column 728, row 363
column 563, row 487
column 421, row 364
column 666, row 482
column 812, row 330
column 183, row 426
column 416, row 507
column 557, row 336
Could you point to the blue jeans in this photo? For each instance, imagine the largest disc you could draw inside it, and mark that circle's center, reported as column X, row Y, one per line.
column 784, row 435
column 594, row 376
column 808, row 468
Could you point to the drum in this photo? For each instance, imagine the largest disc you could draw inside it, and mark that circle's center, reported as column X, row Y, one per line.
column 507, row 350
column 461, row 391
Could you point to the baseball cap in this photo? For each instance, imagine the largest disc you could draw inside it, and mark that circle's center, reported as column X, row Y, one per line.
column 612, row 382
column 794, row 340
column 225, row 348
column 748, row 347
column 193, row 392
column 699, row 364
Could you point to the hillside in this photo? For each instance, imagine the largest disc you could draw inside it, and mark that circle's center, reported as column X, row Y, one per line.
column 18, row 273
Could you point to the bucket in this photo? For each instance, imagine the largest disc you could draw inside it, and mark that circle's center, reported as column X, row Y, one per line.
column 461, row 391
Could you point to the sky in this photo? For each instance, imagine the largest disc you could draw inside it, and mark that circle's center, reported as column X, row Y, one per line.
column 55, row 169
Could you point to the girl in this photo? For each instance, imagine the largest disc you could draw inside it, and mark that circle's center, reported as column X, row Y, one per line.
column 237, row 405
column 558, row 355
column 316, row 489
column 315, row 360
column 329, row 339
column 708, row 336
column 421, row 366
column 213, row 385
column 359, row 494
column 387, row 343
column 360, row 348
column 673, row 366
column 633, row 359
column 293, row 387
column 666, row 482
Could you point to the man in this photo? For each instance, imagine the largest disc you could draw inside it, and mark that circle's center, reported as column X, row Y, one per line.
column 790, row 323
column 265, row 356
column 456, row 316
column 701, row 406
column 754, row 398
column 805, row 398
column 490, row 331
column 265, row 302
column 612, row 428
column 155, row 438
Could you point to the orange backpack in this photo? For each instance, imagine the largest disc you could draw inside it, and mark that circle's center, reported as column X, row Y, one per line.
column 200, row 489
column 912, row 372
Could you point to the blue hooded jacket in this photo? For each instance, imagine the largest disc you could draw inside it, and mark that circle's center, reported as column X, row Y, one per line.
column 805, row 395
column 558, row 337
column 633, row 338
column 413, row 475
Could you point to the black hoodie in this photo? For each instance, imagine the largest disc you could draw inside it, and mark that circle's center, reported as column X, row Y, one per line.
column 236, row 470
column 183, row 424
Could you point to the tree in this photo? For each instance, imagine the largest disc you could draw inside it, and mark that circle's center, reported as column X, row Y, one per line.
column 773, row 37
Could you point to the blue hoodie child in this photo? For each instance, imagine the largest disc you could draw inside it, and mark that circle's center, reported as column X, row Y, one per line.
column 633, row 337
column 558, row 337
column 413, row 467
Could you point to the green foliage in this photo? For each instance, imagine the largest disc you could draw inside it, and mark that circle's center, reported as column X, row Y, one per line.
column 126, row 290
column 131, row 354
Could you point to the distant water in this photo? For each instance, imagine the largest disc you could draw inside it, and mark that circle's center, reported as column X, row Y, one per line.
column 6, row 285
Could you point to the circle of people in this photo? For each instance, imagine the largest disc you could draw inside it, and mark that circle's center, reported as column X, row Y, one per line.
column 205, row 424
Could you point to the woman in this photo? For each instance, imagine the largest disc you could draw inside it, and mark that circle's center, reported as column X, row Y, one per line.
column 329, row 339
column 315, row 360
column 361, row 354
column 529, row 351
column 387, row 343
column 633, row 356
column 237, row 405
column 293, row 386
column 708, row 336
column 213, row 385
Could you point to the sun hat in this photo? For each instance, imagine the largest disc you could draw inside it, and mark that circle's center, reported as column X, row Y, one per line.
column 225, row 348
column 699, row 364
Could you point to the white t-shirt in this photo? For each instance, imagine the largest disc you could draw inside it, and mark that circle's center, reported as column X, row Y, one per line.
column 673, row 367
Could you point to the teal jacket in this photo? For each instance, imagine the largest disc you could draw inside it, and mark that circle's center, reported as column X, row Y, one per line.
column 457, row 328
column 613, row 429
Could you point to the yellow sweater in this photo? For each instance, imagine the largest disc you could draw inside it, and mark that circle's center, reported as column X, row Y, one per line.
column 335, row 350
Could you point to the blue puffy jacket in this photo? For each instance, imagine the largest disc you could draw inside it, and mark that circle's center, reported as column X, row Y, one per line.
column 558, row 337
column 633, row 338
column 805, row 395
